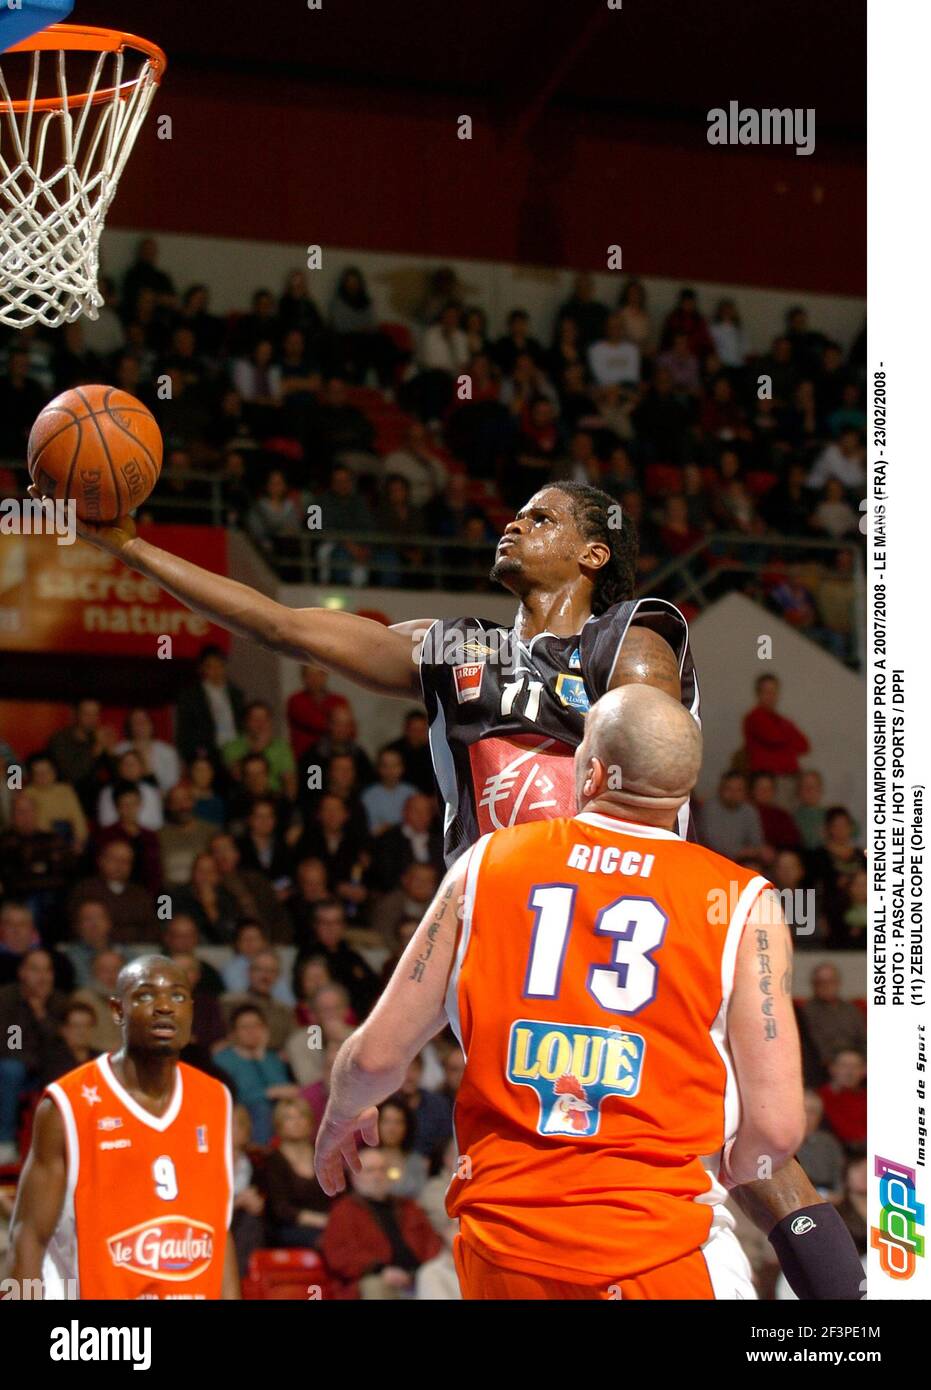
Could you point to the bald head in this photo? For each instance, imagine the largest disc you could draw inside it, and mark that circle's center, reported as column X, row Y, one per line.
column 143, row 968
column 640, row 756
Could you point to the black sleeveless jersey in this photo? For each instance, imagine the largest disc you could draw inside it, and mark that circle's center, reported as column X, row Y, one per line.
column 506, row 716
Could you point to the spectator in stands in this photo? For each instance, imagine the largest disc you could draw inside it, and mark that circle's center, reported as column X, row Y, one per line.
column 35, row 865
column 614, row 360
column 432, row 1113
column 358, row 345
column 73, row 363
column 730, row 824
column 131, row 908
column 853, row 1210
column 21, row 399
column 248, row 1226
column 73, row 1045
column 274, row 516
column 833, row 516
column 836, row 603
column 259, row 1077
column 343, row 852
column 396, row 564
column 385, row 799
column 260, row 324
column 728, row 336
column 106, row 1036
column 251, row 940
column 57, row 806
column 340, row 738
column 444, row 347
column 684, row 369
column 183, row 836
column 308, row 710
column 844, row 459
column 344, row 510
column 18, row 936
column 210, row 711
column 856, row 913
column 844, row 1099
column 147, row 858
column 181, row 937
column 159, row 759
column 568, row 350
column 255, row 781
column 195, row 315
column 91, row 932
column 326, row 941
column 297, row 310
column 821, row 1155
column 414, row 747
column 585, row 310
column 686, row 319
column 779, row 829
column 419, row 463
column 30, row 1014
column 677, row 534
column 129, row 769
column 417, row 840
column 254, row 892
column 834, row 1024
column 258, row 736
column 208, row 1027
column 263, row 847
column 82, row 752
column 311, row 888
column 264, row 976
column 661, row 421
column 208, row 806
column 773, row 743
column 407, row 1171
column 208, row 901
column 809, row 812
column 297, row 1209
column 410, row 899
column 517, row 342
column 145, row 274
column 833, row 867
column 374, row 1243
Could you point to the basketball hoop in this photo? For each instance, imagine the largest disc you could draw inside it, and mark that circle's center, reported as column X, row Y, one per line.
column 61, row 157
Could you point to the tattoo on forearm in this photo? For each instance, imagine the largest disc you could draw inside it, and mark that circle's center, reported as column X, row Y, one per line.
column 420, row 964
column 765, row 983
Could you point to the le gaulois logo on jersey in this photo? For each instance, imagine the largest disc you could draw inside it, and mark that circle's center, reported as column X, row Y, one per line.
column 173, row 1248
column 468, row 678
column 573, row 1069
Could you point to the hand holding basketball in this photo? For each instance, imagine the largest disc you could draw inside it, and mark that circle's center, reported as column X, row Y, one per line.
column 99, row 447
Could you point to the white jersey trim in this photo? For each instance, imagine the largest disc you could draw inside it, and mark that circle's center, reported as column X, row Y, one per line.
column 157, row 1122
column 228, row 1151
column 626, row 827
column 468, row 908
column 60, row 1263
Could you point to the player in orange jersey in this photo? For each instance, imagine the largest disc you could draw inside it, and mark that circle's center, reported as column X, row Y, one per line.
column 631, row 1049
column 127, row 1190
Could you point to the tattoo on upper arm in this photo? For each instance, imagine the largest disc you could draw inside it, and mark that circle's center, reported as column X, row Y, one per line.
column 647, row 659
column 765, row 982
column 420, row 964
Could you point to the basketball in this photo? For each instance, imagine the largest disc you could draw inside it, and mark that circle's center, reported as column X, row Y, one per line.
column 98, row 446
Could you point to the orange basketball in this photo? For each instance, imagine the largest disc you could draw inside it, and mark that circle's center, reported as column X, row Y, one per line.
column 99, row 446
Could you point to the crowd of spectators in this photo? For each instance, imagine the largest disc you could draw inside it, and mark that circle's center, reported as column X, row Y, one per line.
column 290, row 406
column 769, row 813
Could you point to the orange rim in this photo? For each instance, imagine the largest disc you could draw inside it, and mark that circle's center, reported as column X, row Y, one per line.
column 82, row 38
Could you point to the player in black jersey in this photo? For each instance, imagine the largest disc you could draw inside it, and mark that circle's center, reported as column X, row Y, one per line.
column 506, row 708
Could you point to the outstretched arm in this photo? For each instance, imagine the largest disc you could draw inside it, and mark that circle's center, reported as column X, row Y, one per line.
column 378, row 658
column 40, row 1195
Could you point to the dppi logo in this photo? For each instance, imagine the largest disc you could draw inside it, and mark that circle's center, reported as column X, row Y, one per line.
column 573, row 1069
column 896, row 1237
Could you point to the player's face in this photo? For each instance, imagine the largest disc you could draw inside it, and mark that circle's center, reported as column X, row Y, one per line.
column 541, row 545
column 157, row 1011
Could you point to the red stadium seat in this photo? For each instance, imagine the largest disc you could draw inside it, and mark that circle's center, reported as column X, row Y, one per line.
column 286, row 1274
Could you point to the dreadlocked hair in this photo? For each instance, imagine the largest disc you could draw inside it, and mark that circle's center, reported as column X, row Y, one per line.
column 594, row 513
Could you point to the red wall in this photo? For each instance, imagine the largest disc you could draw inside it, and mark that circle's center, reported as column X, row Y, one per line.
column 378, row 171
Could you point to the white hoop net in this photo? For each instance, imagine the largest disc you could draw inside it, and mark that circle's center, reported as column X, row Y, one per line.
column 59, row 172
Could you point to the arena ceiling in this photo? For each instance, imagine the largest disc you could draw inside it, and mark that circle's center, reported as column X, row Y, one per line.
column 656, row 59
